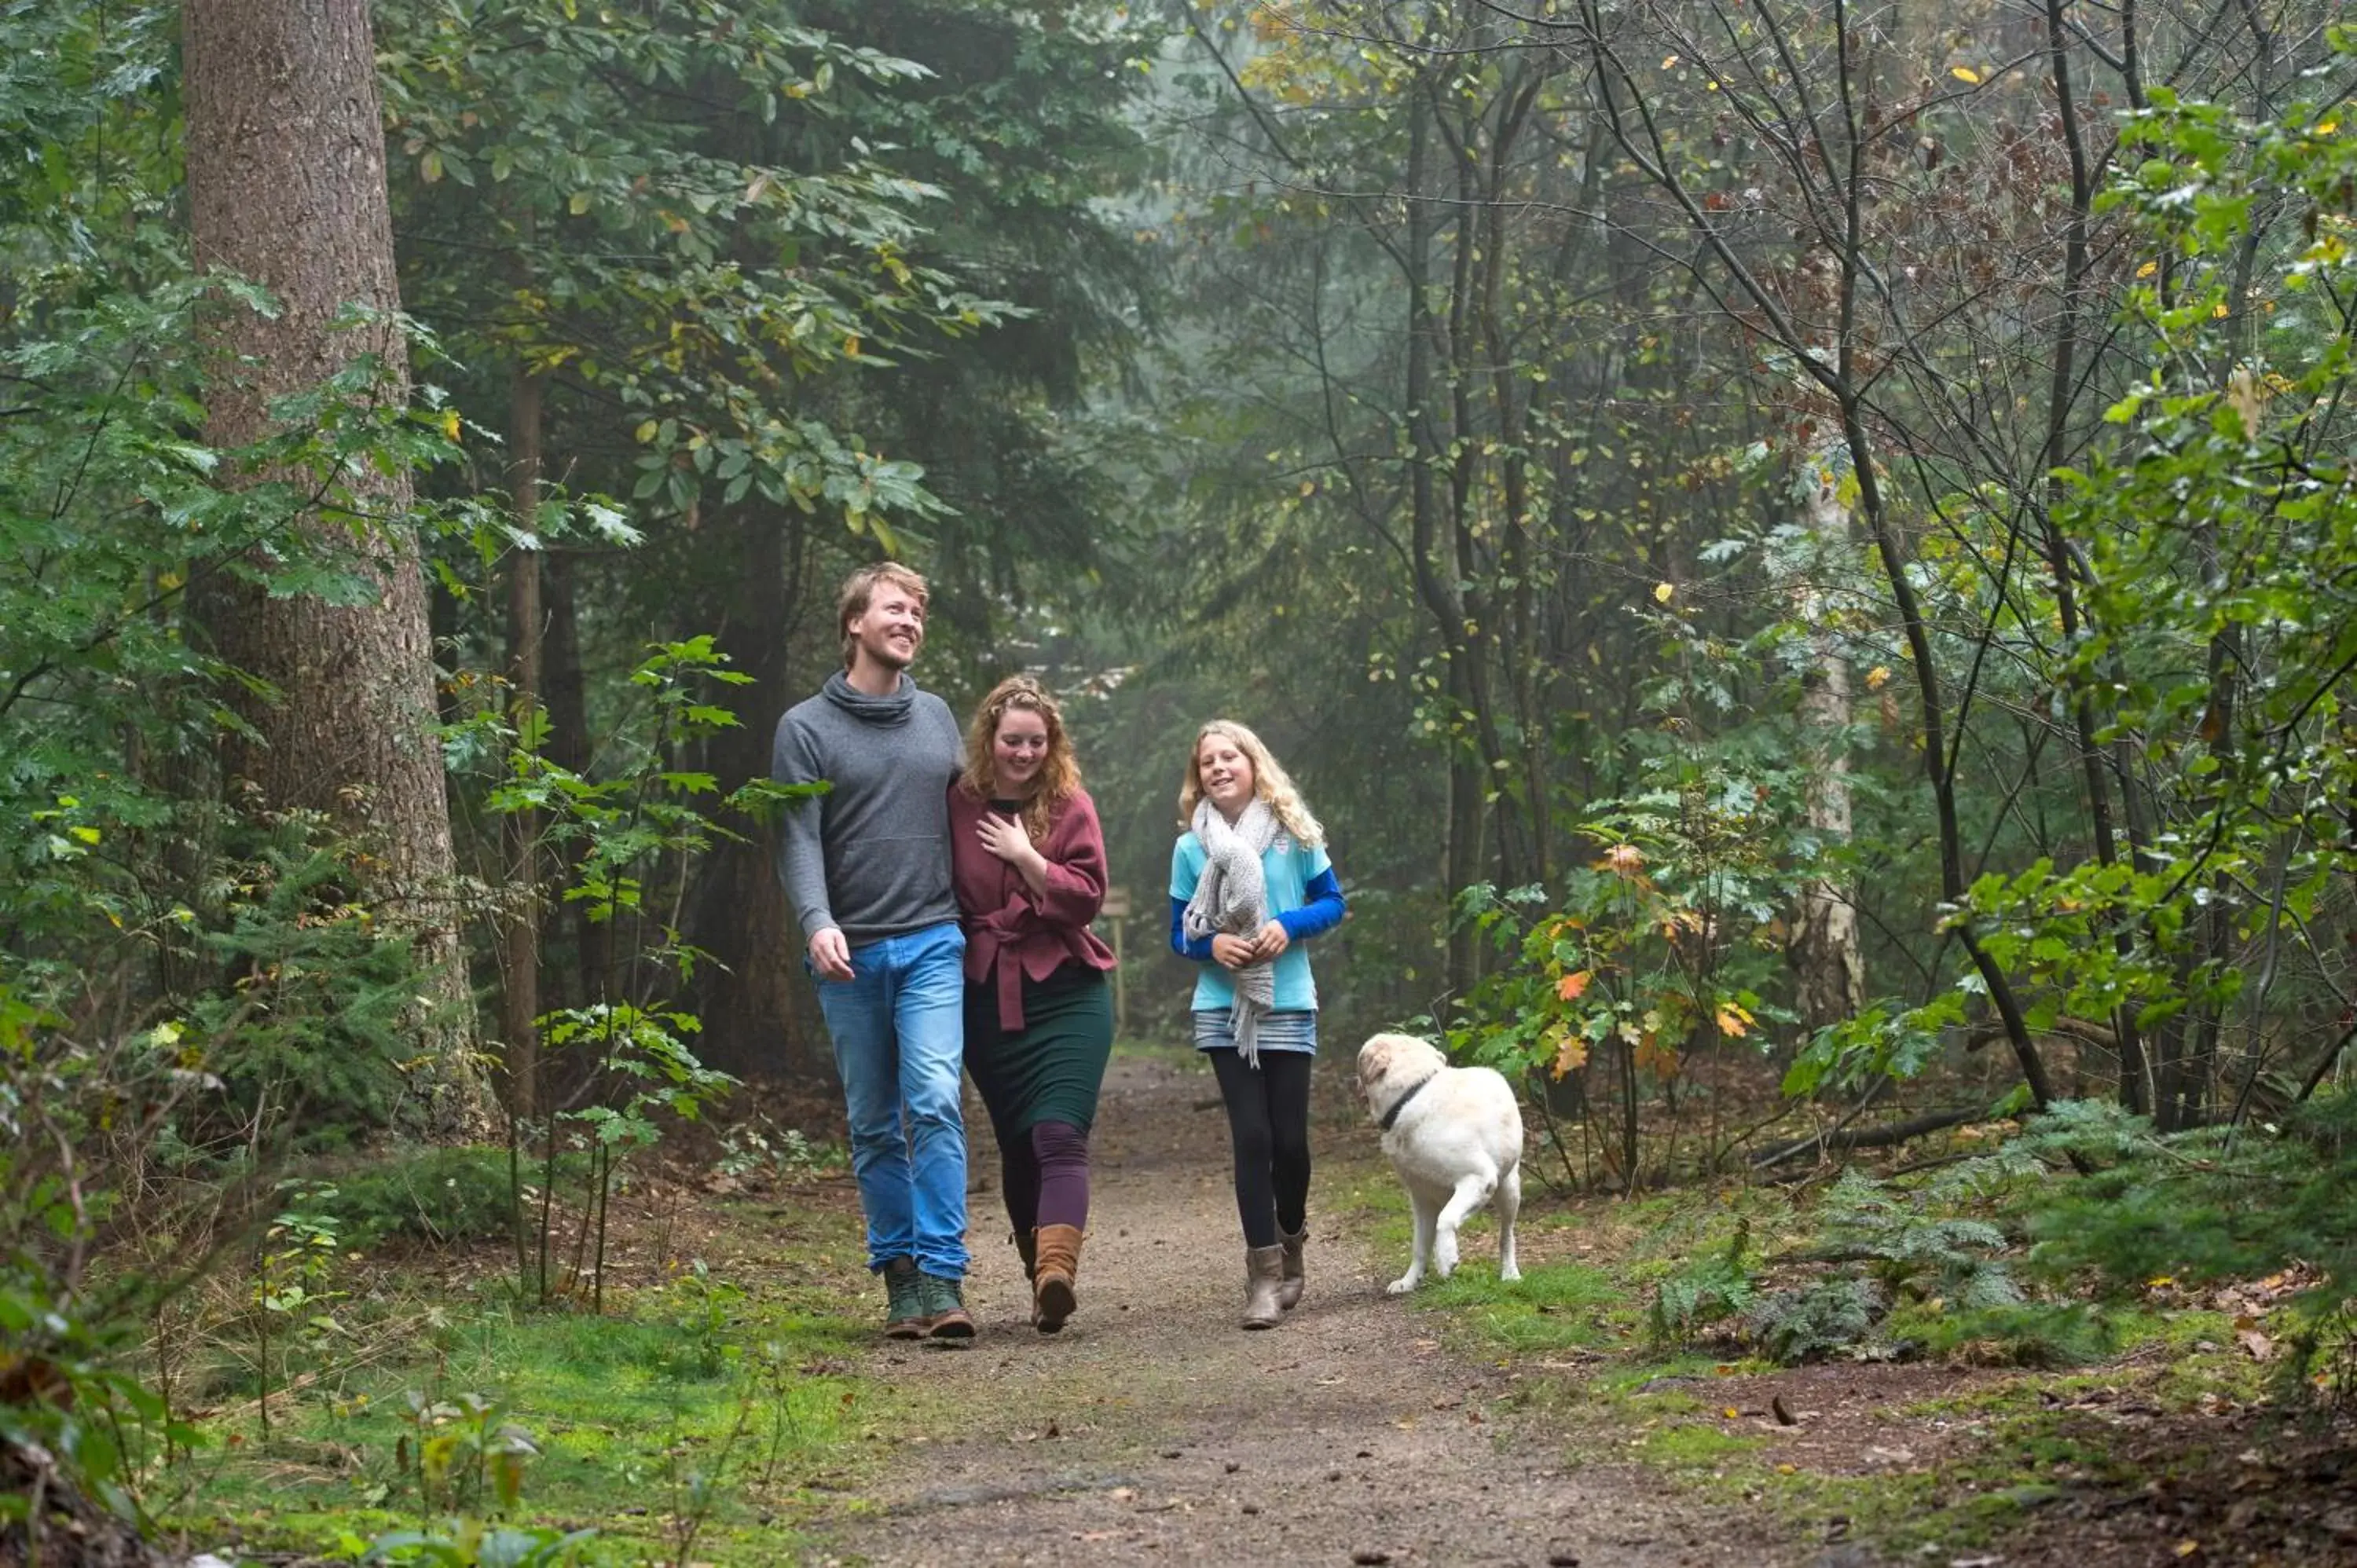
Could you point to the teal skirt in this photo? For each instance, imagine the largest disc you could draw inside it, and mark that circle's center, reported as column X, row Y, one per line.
column 1051, row 1070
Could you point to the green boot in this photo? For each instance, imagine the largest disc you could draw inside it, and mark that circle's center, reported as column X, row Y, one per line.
column 904, row 1312
column 945, row 1305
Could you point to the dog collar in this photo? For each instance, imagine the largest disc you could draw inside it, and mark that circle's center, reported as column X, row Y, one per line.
column 1388, row 1117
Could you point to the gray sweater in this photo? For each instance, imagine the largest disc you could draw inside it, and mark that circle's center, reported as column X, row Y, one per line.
column 872, row 856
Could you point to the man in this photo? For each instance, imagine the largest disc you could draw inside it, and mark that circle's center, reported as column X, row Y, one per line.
column 867, row 869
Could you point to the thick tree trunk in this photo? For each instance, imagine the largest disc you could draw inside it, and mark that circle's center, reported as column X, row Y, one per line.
column 1829, row 974
column 286, row 188
column 760, row 1014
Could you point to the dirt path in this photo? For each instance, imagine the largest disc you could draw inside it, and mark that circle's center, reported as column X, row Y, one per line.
column 1153, row 1429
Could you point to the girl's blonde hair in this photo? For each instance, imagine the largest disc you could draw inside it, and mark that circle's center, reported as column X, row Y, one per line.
column 1059, row 773
column 1270, row 783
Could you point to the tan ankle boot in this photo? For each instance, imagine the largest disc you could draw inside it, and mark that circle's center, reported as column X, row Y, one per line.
column 1263, row 1276
column 1288, row 1289
column 1056, row 1249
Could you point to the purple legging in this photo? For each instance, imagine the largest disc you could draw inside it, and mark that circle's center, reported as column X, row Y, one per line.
column 1044, row 1175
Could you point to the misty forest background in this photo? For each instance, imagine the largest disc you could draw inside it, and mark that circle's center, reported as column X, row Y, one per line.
column 1805, row 553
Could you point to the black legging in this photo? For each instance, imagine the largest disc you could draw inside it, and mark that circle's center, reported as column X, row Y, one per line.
column 1268, row 1127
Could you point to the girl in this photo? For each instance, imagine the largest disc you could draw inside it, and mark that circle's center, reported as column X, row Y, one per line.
column 1028, row 861
column 1249, row 884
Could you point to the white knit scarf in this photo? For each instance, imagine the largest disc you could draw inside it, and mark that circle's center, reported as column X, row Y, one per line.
column 1231, row 896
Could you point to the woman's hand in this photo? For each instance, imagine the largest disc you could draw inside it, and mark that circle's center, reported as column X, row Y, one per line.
column 1234, row 952
column 1270, row 941
column 1005, row 837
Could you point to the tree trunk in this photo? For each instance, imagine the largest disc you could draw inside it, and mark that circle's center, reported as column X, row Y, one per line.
column 760, row 1011
column 1829, row 974
column 566, row 689
column 520, row 925
column 286, row 188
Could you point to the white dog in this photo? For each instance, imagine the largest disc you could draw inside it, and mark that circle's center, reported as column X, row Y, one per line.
column 1455, row 1137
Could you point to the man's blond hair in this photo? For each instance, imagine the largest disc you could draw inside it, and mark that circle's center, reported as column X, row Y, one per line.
column 859, row 590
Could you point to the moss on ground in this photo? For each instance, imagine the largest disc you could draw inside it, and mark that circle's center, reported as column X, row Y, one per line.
column 1572, row 1335
column 733, row 1411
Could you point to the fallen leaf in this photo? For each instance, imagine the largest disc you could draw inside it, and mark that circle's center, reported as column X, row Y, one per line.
column 1965, row 74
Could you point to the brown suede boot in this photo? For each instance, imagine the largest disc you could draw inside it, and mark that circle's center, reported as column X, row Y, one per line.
column 1263, row 1274
column 1288, row 1288
column 1053, row 1298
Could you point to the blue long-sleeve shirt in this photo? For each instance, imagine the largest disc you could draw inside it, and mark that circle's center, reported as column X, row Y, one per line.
column 1304, row 897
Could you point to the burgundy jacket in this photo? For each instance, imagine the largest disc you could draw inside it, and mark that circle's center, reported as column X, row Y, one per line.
column 1009, row 933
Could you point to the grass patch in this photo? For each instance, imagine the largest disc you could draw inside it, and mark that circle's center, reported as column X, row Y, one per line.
column 731, row 1415
column 1553, row 1308
column 2029, row 1333
column 1694, row 1445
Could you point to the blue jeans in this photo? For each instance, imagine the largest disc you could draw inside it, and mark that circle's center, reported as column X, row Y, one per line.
column 898, row 1027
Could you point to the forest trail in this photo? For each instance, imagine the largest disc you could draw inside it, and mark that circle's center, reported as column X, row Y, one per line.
column 1154, row 1430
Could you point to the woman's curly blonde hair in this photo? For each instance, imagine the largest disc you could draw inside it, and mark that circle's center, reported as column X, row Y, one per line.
column 1270, row 783
column 1059, row 773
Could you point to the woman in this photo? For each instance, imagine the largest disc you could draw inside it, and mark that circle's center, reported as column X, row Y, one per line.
column 1029, row 863
column 1250, row 882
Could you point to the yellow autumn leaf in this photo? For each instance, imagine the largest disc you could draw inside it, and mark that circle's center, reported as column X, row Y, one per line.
column 1729, row 1024
column 2218, row 311
column 1877, row 677
column 1965, row 74
column 1570, row 1055
column 2327, row 127
column 1569, row 987
column 1662, row 592
column 2147, row 270
column 1671, row 63
column 1729, row 1412
column 2188, row 1547
column 450, row 423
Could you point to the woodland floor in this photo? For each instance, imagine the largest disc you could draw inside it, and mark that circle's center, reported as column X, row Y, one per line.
column 1471, row 1423
column 1369, row 1429
column 1152, row 1429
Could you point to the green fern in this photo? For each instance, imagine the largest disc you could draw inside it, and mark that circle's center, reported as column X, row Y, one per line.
column 1832, row 1314
column 1911, row 1248
column 1709, row 1290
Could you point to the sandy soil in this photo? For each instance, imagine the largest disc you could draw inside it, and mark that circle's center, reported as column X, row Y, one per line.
column 1154, row 1430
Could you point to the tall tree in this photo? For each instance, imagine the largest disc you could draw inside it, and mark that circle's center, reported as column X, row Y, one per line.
column 286, row 190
